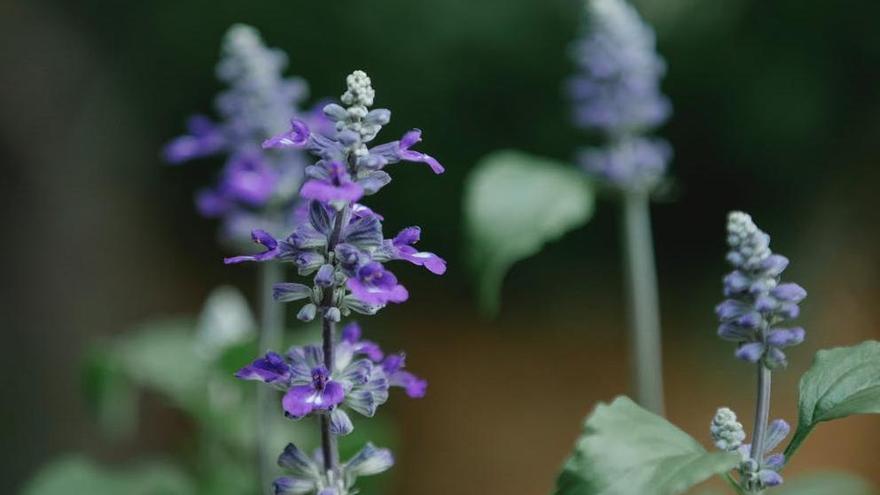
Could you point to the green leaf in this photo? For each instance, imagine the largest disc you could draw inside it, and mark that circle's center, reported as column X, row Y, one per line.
column 78, row 475
column 841, row 382
column 514, row 203
column 626, row 450
column 825, row 484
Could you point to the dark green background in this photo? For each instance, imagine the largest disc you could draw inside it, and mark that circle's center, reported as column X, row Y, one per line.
column 777, row 111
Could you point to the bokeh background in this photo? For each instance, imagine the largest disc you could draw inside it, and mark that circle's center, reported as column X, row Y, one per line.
column 777, row 112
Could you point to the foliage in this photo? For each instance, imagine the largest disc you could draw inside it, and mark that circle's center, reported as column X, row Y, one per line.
column 514, row 204
column 841, row 382
column 626, row 449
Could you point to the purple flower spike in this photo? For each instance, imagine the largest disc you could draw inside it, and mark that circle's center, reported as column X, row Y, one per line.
column 402, row 248
column 322, row 394
column 376, row 285
column 269, row 369
column 296, row 137
column 264, row 239
column 338, row 186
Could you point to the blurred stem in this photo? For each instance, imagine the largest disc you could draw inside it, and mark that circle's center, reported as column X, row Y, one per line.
column 272, row 325
column 644, row 314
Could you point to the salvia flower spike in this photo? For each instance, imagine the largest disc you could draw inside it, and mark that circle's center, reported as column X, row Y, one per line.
column 755, row 316
column 339, row 245
column 256, row 188
column 617, row 93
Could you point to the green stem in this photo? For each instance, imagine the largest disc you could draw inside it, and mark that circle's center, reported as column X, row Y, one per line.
column 644, row 313
column 272, row 326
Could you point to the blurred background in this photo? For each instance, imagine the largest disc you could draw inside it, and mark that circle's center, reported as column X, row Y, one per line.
column 776, row 112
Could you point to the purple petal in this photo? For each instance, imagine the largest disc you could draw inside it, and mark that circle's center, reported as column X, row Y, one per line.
column 269, row 369
column 789, row 292
column 212, row 205
column 205, row 139
column 730, row 308
column 298, row 402
column 415, row 387
column 289, row 485
column 774, row 265
column 786, row 337
column 750, row 352
column 324, row 191
column 263, row 238
column 394, row 363
column 431, row 261
column 351, row 333
column 776, row 433
column 769, row 477
column 408, row 140
column 296, row 137
column 407, row 236
column 775, row 462
column 734, row 333
column 332, row 395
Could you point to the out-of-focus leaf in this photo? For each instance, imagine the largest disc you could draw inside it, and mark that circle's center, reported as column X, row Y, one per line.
column 110, row 394
column 514, row 203
column 841, row 382
column 78, row 475
column 825, row 484
column 226, row 320
column 162, row 356
column 627, row 450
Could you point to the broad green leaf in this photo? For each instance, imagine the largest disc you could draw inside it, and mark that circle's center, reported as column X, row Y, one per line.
column 841, row 382
column 78, row 475
column 514, row 203
column 627, row 450
column 825, row 484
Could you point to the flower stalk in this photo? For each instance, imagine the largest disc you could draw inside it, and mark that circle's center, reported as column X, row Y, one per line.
column 616, row 93
column 644, row 312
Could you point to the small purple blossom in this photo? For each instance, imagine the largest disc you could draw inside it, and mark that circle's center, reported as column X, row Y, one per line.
column 336, row 186
column 322, row 394
column 264, row 239
column 374, row 284
column 401, row 247
column 398, row 377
